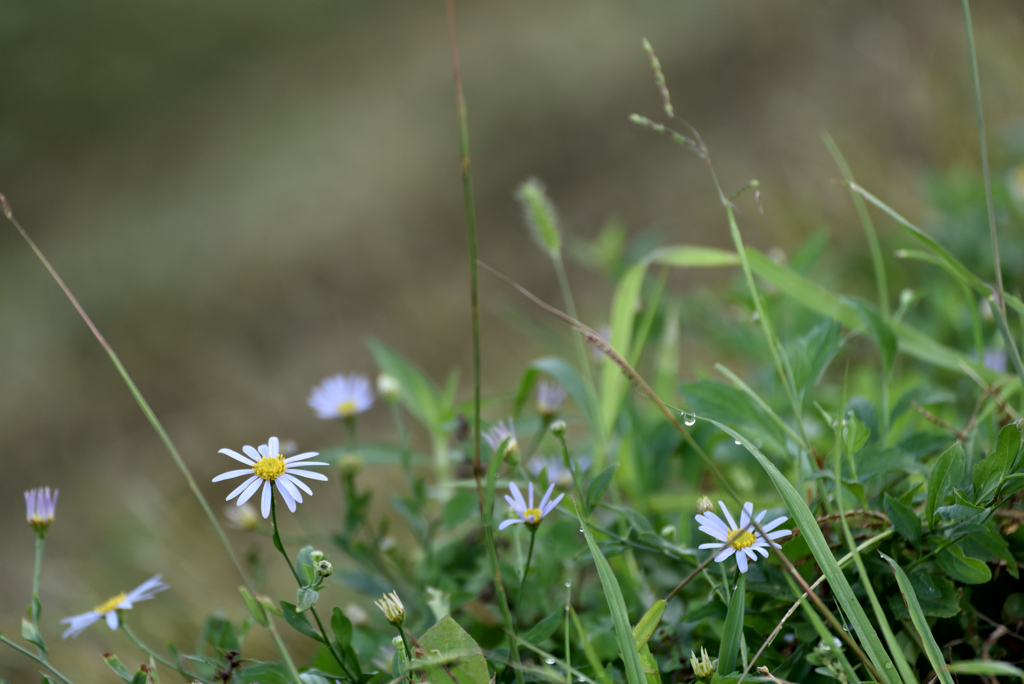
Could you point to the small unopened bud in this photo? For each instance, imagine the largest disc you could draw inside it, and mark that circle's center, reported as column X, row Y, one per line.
column 558, row 429
column 350, row 464
column 317, row 556
column 392, row 607
column 243, row 517
column 550, row 398
column 400, row 650
column 40, row 509
column 325, row 568
column 704, row 667
column 388, row 387
column 668, row 533
column 704, row 505
column 511, row 454
column 906, row 297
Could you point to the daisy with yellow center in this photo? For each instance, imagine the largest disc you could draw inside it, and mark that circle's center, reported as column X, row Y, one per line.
column 529, row 515
column 341, row 396
column 742, row 540
column 40, row 508
column 110, row 608
column 268, row 467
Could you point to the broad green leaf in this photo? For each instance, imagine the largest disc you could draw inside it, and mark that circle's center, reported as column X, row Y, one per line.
column 617, row 608
column 418, row 394
column 811, row 354
column 648, row 623
column 986, row 667
column 546, row 627
column 924, row 630
column 935, row 593
column 299, row 622
column 30, row 633
column 341, row 626
column 730, row 647
column 452, row 641
column 819, row 547
column 947, row 470
column 599, row 485
column 305, row 598
column 961, row 568
column 903, row 519
column 978, row 541
column 989, row 472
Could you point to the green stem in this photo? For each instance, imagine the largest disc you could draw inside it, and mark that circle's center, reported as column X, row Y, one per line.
column 581, row 350
column 522, row 582
column 41, row 661
column 177, row 667
column 405, row 642
column 283, row 650
column 141, row 401
column 568, row 649
column 36, row 574
column 567, row 461
column 280, row 547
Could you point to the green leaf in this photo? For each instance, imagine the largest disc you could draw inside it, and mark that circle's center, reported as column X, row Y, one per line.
column 254, row 607
column 589, row 650
column 730, row 646
column 459, row 508
column 903, row 519
column 30, row 633
column 305, row 598
column 954, row 563
column 924, row 631
column 219, row 632
column 418, row 394
column 141, row 676
column 878, row 329
column 617, row 607
column 989, row 472
column 935, row 593
column 811, row 354
column 342, row 627
column 986, row 667
column 546, row 627
column 300, row 623
column 816, row 542
column 648, row 623
column 115, row 664
column 599, row 485
column 947, row 470
column 452, row 641
column 978, row 541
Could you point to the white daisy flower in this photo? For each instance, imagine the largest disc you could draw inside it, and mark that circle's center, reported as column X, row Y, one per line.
column 550, row 397
column 40, row 508
column 499, row 433
column 738, row 539
column 392, row 607
column 269, row 467
column 527, row 513
column 109, row 608
column 341, row 396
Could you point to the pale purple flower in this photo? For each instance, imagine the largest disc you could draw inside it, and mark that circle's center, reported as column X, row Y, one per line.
column 267, row 466
column 341, row 396
column 109, row 608
column 740, row 539
column 527, row 513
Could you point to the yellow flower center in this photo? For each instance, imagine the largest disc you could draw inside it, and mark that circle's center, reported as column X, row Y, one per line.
column 532, row 515
column 269, row 468
column 346, row 408
column 741, row 540
column 110, row 604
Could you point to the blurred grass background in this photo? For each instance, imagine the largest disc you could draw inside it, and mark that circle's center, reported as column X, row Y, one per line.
column 241, row 192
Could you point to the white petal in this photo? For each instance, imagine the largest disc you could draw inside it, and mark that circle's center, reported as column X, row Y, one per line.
column 761, row 550
column 251, row 488
column 510, row 521
column 302, row 457
column 724, row 553
column 530, row 486
column 305, row 464
column 710, row 545
column 299, row 483
column 774, row 523
column 287, row 481
column 79, row 622
column 544, row 500
column 741, row 561
column 748, row 509
column 232, row 473
column 308, row 473
column 779, row 534
column 552, row 504
column 252, row 453
column 512, row 502
column 237, row 456
column 728, row 516
column 518, row 495
column 760, row 516
column 112, row 622
column 275, row 447
column 286, row 495
column 147, row 589
column 720, row 535
column 265, row 500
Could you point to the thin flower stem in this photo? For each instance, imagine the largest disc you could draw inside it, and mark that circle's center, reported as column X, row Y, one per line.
column 568, row 649
column 405, row 642
column 571, row 467
column 474, row 304
column 581, row 351
column 522, row 582
column 139, row 399
column 41, row 661
column 280, row 547
column 36, row 574
column 177, row 667
column 283, row 650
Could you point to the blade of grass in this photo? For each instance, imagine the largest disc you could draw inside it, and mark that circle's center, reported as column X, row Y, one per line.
column 617, row 607
column 588, row 649
column 986, row 667
column 931, row 647
column 733, row 630
column 819, row 548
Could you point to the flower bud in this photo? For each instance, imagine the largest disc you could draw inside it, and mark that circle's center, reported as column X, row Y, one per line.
column 350, row 464
column 324, row 568
column 668, row 533
column 704, row 505
column 558, row 429
column 388, row 387
column 317, row 556
column 704, row 667
column 393, row 609
column 40, row 509
column 511, row 454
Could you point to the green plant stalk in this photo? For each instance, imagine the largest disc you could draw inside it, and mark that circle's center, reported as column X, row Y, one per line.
column 42, row 661
column 293, row 672
column 338, row 657
column 139, row 399
column 567, row 462
column 577, row 338
column 588, row 649
column 405, row 642
column 522, row 582
column 177, row 667
column 868, row 225
column 37, row 573
column 568, row 649
column 984, row 150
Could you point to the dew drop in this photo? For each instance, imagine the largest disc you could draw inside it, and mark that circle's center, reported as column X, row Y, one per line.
column 549, row 661
column 689, row 419
column 736, row 441
column 755, row 316
column 581, row 679
column 581, row 529
column 568, row 583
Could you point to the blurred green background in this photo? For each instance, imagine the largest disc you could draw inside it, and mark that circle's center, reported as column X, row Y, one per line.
column 241, row 192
